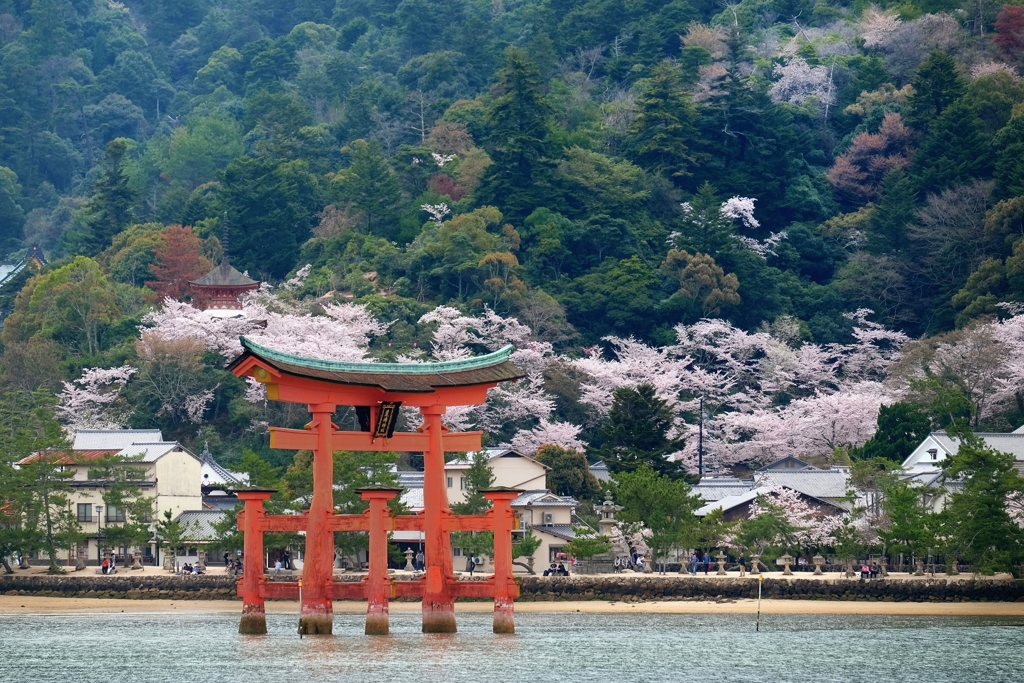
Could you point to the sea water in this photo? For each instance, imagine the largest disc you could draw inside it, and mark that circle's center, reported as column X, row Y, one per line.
column 557, row 647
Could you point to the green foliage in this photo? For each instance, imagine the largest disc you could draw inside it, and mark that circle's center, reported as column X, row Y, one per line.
column 270, row 209
column 479, row 477
column 519, row 122
column 586, row 544
column 901, row 427
column 570, row 473
column 663, row 505
column 937, row 84
column 769, row 530
column 71, row 305
column 122, row 492
column 635, row 434
column 35, row 509
column 663, row 132
column 978, row 518
column 12, row 216
column 111, row 207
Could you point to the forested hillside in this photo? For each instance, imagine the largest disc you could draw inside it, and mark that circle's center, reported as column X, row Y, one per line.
column 590, row 168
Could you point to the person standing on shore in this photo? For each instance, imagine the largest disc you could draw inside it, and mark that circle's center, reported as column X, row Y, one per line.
column 743, row 565
column 693, row 564
column 277, row 566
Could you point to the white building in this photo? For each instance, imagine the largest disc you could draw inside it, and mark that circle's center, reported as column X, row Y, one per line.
column 172, row 479
column 923, row 466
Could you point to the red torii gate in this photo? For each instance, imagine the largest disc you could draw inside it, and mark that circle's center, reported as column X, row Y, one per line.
column 376, row 389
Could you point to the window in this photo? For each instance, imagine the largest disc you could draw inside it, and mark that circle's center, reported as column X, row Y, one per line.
column 462, row 483
column 85, row 512
column 449, row 482
column 457, row 552
column 114, row 514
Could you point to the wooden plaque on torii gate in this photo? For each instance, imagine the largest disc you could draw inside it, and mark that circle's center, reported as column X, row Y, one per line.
column 323, row 386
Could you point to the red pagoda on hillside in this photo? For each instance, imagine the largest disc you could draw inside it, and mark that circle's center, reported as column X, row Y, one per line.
column 219, row 290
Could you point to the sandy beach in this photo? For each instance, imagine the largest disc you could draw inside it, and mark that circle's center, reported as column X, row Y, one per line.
column 40, row 605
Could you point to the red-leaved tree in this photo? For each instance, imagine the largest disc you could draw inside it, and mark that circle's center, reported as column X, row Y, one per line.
column 857, row 173
column 178, row 260
column 1010, row 31
column 442, row 183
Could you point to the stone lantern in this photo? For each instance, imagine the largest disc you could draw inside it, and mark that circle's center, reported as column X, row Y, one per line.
column 720, row 559
column 818, row 561
column 607, row 521
column 786, row 560
column 408, row 560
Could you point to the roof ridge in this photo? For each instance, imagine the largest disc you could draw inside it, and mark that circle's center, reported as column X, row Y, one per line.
column 472, row 363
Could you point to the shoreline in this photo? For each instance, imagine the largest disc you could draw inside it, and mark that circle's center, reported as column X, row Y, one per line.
column 18, row 604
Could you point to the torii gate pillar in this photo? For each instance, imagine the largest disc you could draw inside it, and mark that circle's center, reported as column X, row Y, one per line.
column 438, row 601
column 254, row 618
column 316, row 614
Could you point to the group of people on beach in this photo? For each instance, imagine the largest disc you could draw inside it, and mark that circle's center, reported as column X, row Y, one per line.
column 190, row 570
column 556, row 570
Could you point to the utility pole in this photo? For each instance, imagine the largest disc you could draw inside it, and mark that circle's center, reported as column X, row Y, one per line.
column 700, row 442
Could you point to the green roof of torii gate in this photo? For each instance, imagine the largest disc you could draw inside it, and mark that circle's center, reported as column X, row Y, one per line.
column 413, row 377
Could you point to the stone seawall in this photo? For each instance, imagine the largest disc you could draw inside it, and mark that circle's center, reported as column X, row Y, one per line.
column 121, row 586
column 639, row 588
column 647, row 588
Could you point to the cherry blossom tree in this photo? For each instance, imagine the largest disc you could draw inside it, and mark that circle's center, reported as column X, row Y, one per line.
column 755, row 395
column 525, row 402
column 812, row 527
column 797, row 81
column 564, row 434
column 94, row 400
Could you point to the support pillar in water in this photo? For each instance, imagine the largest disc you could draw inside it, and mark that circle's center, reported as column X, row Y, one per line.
column 505, row 587
column 316, row 613
column 254, row 618
column 378, row 584
column 438, row 601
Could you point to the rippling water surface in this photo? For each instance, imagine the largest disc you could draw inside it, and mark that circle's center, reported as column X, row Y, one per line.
column 562, row 648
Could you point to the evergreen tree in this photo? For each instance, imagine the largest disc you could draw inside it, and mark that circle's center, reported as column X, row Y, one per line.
column 955, row 150
column 901, row 427
column 12, row 217
column 519, row 123
column 371, row 185
column 570, row 474
column 36, row 505
column 635, row 433
column 661, row 135
column 479, row 477
column 978, row 519
column 271, row 207
column 1009, row 163
column 896, row 209
column 937, row 84
column 111, row 207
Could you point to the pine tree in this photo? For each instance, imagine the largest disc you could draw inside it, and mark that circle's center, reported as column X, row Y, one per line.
column 955, row 149
column 1009, row 163
column 887, row 229
column 519, row 121
column 937, row 84
column 111, row 208
column 660, row 137
column 901, row 427
column 636, row 433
